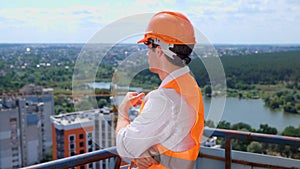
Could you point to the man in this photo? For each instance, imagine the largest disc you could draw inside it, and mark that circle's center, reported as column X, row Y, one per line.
column 167, row 133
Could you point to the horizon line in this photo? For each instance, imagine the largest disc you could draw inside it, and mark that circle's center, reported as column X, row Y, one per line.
column 82, row 43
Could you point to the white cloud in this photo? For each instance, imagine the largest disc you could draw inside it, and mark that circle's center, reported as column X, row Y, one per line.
column 212, row 17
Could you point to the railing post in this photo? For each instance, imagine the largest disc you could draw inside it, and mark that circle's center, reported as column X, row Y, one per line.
column 118, row 162
column 227, row 153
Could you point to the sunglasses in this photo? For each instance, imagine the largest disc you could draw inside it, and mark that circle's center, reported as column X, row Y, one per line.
column 150, row 43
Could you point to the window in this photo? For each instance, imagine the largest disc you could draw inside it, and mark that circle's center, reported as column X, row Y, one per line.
column 72, row 138
column 90, row 150
column 15, row 155
column 73, row 153
column 15, row 161
column 82, row 167
column 81, row 151
column 72, row 146
column 14, row 149
column 81, row 144
column 80, row 136
column 90, row 135
column 90, row 142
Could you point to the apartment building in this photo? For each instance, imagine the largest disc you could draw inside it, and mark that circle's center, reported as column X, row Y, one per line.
column 43, row 96
column 80, row 132
column 25, row 133
column 10, row 141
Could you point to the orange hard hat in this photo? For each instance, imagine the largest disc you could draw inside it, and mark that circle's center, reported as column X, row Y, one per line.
column 171, row 28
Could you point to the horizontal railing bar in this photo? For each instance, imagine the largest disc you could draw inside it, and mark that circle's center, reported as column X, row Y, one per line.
column 277, row 139
column 252, row 164
column 112, row 152
column 78, row 159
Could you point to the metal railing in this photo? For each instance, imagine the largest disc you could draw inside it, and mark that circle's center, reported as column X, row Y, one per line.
column 81, row 159
column 227, row 134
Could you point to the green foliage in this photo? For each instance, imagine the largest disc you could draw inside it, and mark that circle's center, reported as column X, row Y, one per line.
column 242, row 127
column 255, row 147
column 84, row 105
column 102, row 97
column 243, row 74
column 266, row 129
column 62, row 105
column 145, row 79
column 291, row 131
column 102, row 103
column 209, row 123
column 244, row 71
column 237, row 144
column 265, row 68
column 224, row 125
column 287, row 100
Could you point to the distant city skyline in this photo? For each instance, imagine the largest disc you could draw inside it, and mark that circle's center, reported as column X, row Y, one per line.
column 222, row 21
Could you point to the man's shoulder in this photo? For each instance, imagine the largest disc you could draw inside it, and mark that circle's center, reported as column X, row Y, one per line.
column 167, row 93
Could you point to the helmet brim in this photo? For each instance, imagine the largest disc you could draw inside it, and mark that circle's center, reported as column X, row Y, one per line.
column 143, row 40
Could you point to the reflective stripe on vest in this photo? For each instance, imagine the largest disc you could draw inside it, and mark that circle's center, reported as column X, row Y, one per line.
column 187, row 87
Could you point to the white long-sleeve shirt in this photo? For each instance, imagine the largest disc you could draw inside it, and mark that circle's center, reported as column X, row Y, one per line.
column 166, row 119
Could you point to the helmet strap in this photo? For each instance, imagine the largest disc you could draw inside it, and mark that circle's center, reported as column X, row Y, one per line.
column 165, row 48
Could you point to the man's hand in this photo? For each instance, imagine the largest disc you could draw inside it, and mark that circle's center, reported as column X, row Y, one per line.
column 145, row 161
column 131, row 99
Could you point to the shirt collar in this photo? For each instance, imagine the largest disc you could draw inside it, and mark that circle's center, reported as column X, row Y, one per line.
column 175, row 74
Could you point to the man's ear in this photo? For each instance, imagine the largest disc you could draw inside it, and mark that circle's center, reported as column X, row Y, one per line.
column 158, row 51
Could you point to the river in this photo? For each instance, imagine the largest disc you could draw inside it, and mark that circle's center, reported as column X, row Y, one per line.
column 250, row 111
column 254, row 113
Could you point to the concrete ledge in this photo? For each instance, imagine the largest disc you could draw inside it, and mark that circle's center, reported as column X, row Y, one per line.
column 215, row 158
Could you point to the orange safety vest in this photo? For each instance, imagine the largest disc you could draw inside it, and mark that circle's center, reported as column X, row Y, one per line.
column 187, row 87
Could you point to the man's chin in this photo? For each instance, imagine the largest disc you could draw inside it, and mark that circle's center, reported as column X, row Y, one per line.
column 154, row 70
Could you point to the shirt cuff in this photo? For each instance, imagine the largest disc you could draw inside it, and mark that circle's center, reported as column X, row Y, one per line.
column 121, row 148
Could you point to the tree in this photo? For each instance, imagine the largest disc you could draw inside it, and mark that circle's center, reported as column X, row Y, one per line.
column 84, row 105
column 102, row 103
column 210, row 123
column 266, row 129
column 290, row 107
column 242, row 126
column 290, row 151
column 255, row 147
column 291, row 131
column 224, row 125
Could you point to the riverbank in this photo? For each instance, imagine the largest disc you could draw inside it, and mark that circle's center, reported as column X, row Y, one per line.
column 250, row 111
column 275, row 97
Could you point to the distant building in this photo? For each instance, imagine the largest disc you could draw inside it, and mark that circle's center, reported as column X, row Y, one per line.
column 10, row 141
column 42, row 96
column 25, row 129
column 81, row 132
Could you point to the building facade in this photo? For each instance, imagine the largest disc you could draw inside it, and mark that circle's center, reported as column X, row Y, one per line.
column 25, row 134
column 80, row 132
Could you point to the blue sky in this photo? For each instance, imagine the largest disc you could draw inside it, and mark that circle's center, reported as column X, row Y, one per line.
column 221, row 21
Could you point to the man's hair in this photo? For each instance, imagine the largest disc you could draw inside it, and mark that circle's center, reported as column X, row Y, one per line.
column 183, row 52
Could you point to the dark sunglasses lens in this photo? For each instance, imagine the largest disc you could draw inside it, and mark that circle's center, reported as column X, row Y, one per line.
column 149, row 41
